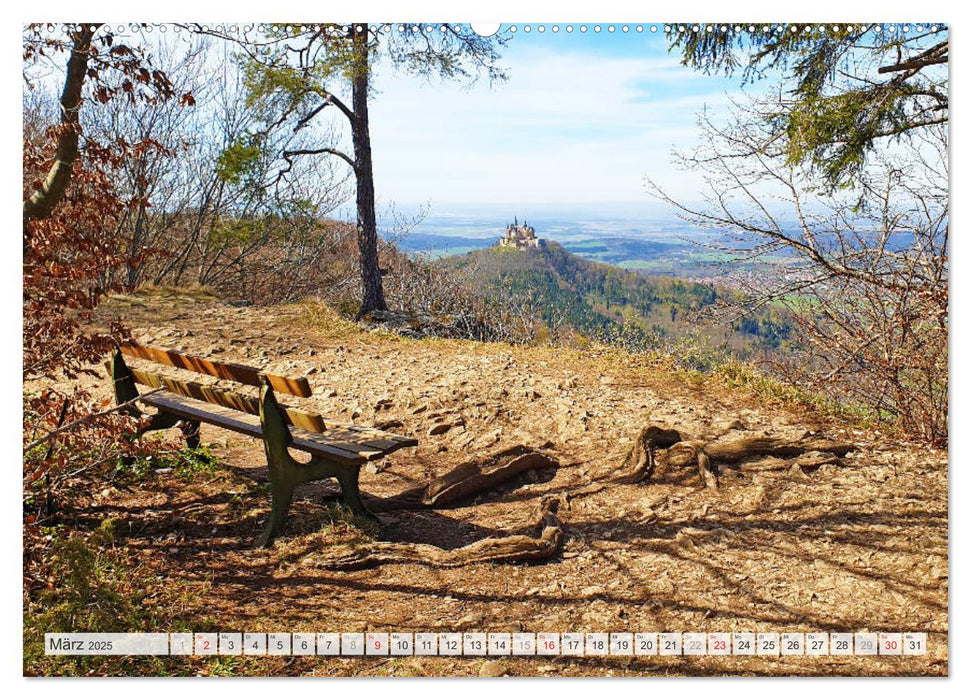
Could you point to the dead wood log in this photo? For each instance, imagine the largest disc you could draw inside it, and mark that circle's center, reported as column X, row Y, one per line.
column 492, row 549
column 467, row 480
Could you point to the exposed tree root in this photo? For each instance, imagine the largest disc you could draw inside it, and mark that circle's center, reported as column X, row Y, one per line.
column 492, row 549
column 640, row 461
column 467, row 480
column 677, row 453
column 811, row 461
column 655, row 448
column 742, row 449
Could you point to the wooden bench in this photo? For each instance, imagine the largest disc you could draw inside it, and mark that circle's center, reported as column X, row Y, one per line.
column 336, row 450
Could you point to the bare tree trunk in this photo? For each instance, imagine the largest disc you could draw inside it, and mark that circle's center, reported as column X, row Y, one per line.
column 133, row 265
column 41, row 203
column 367, row 228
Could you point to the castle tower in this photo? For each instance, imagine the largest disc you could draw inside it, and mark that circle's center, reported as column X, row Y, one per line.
column 520, row 237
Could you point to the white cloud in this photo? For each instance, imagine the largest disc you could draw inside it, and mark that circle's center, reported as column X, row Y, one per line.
column 566, row 127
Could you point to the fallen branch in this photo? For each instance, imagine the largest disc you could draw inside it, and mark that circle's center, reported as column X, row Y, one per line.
column 493, row 549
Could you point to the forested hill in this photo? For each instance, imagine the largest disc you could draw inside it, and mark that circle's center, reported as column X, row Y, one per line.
column 597, row 299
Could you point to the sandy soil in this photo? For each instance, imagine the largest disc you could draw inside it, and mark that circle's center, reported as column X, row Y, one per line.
column 862, row 547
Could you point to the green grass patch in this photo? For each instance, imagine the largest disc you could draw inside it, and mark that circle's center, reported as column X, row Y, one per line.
column 187, row 464
column 341, row 522
column 326, row 320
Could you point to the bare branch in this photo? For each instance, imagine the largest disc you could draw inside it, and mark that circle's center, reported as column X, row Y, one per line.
column 288, row 155
column 84, row 420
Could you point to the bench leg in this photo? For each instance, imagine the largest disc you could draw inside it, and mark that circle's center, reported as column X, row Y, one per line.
column 160, row 421
column 190, row 429
column 282, row 492
column 123, row 384
column 351, row 492
column 125, row 390
column 286, row 473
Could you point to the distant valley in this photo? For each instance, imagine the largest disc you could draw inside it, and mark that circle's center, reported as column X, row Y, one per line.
column 665, row 248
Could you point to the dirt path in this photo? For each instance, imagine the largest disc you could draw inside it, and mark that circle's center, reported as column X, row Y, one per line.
column 860, row 547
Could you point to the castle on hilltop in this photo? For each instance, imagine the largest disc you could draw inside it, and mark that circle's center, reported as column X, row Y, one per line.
column 520, row 237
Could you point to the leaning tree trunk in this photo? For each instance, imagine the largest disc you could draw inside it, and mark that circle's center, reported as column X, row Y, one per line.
column 41, row 202
column 367, row 227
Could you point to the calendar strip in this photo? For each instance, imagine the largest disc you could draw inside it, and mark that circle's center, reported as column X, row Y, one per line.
column 538, row 644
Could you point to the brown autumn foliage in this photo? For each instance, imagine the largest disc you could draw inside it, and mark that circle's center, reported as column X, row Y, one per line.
column 70, row 256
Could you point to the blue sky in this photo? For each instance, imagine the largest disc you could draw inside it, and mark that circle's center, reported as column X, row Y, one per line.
column 583, row 118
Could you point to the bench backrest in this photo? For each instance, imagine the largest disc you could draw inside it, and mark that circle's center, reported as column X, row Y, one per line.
column 243, row 374
column 297, row 386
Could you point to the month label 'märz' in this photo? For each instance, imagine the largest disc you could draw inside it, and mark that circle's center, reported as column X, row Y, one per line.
column 106, row 644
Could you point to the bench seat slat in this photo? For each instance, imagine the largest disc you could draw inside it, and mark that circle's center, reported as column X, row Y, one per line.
column 244, row 374
column 348, row 438
column 340, row 444
column 246, row 424
column 386, row 441
column 375, row 437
